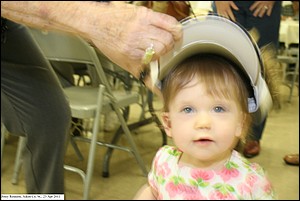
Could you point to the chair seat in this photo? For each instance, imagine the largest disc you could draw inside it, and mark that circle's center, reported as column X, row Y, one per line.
column 83, row 100
column 287, row 59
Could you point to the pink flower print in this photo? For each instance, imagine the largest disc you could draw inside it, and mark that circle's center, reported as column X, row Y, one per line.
column 222, row 192
column 163, row 170
column 251, row 179
column 217, row 195
column 157, row 157
column 202, row 174
column 230, row 170
column 244, row 189
column 172, row 189
column 201, row 177
column 181, row 189
column 258, row 169
column 195, row 196
column 227, row 174
column 255, row 166
column 268, row 187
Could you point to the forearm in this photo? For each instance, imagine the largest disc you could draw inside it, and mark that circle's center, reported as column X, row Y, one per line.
column 74, row 17
column 99, row 22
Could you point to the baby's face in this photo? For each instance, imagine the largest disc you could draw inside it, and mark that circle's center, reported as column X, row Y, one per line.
column 202, row 126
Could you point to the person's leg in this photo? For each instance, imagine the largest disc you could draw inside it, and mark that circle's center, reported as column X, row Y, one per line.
column 268, row 29
column 267, row 26
column 252, row 147
column 34, row 105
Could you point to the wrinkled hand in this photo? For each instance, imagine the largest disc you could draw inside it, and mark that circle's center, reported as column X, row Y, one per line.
column 130, row 30
column 262, row 8
column 224, row 8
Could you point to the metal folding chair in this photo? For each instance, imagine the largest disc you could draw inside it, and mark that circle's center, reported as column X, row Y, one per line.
column 83, row 100
column 290, row 77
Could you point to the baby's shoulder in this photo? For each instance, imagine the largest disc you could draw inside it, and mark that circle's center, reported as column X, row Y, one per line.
column 167, row 153
column 249, row 167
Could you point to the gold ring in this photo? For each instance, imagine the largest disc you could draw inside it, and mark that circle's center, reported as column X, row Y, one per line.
column 266, row 7
column 148, row 55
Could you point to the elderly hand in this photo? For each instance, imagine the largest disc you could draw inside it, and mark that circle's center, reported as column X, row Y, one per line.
column 132, row 29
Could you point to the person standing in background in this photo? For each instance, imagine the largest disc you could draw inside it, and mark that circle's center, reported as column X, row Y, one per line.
column 265, row 17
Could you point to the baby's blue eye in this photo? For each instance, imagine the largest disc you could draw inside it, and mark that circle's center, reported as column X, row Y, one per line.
column 187, row 110
column 219, row 109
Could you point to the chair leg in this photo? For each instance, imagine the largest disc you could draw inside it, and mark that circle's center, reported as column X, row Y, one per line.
column 135, row 151
column 295, row 74
column 18, row 161
column 92, row 151
column 75, row 147
column 106, row 160
column 131, row 142
column 153, row 118
column 3, row 132
column 91, row 160
column 87, row 176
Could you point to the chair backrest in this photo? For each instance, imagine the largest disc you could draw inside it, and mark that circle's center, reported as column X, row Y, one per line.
column 58, row 46
column 63, row 47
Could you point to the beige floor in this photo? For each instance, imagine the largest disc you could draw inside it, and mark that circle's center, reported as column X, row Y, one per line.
column 281, row 136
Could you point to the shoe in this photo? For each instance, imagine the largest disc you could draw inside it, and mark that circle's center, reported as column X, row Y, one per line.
column 292, row 159
column 252, row 148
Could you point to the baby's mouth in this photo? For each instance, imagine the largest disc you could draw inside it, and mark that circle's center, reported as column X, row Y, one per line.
column 203, row 140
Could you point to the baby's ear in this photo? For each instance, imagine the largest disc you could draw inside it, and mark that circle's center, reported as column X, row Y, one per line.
column 239, row 132
column 167, row 123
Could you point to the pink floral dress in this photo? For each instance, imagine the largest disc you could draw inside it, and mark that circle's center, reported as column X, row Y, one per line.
column 237, row 180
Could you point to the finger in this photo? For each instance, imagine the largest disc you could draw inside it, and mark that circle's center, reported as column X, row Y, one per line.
column 136, row 55
column 261, row 12
column 142, row 53
column 256, row 12
column 167, row 23
column 232, row 4
column 231, row 16
column 164, row 43
column 159, row 49
column 254, row 6
column 162, row 40
column 269, row 12
column 224, row 15
column 264, row 10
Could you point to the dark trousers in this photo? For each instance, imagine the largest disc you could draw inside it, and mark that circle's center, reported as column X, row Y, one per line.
column 33, row 105
column 267, row 26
